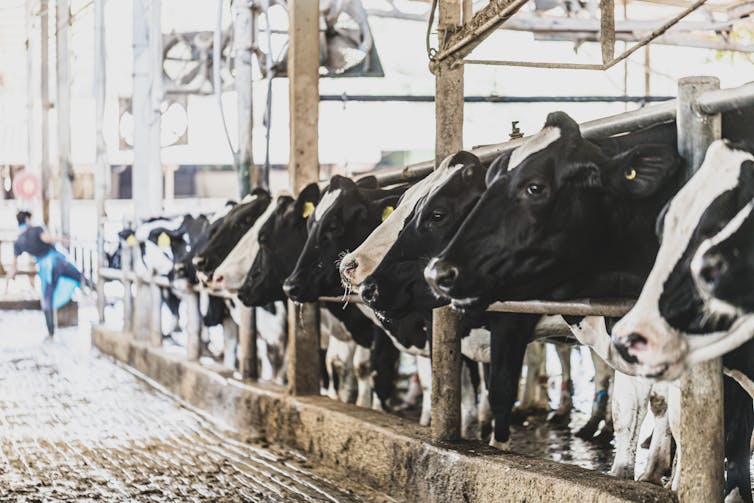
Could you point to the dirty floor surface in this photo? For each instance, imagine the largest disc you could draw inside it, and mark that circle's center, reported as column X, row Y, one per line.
column 75, row 426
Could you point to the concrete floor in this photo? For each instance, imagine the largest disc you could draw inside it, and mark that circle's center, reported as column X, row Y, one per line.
column 76, row 426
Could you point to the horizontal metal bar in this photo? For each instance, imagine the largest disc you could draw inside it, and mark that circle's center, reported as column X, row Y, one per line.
column 381, row 98
column 119, row 275
column 726, row 100
column 585, row 307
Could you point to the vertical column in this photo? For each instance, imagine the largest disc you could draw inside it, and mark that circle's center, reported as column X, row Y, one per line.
column 303, row 79
column 193, row 326
column 65, row 169
column 247, row 344
column 702, row 469
column 155, row 318
column 155, row 181
column 141, row 109
column 242, row 42
column 128, row 300
column 45, row 93
column 101, row 170
column 446, row 341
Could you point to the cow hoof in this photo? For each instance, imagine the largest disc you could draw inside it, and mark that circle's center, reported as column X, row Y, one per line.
column 486, row 430
column 500, row 446
column 647, row 441
column 560, row 417
column 652, row 478
column 734, row 496
column 605, row 437
column 587, row 431
column 622, row 472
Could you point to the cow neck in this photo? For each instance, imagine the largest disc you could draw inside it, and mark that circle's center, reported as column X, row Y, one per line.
column 360, row 327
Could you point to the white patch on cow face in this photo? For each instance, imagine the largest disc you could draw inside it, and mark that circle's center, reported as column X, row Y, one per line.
column 667, row 347
column 536, row 143
column 370, row 253
column 157, row 259
column 714, row 306
column 326, row 203
column 232, row 271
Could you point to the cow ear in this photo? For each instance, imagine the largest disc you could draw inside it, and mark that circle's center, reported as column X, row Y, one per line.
column 585, row 175
column 307, row 200
column 642, row 170
column 383, row 208
column 368, row 182
column 341, row 182
column 258, row 191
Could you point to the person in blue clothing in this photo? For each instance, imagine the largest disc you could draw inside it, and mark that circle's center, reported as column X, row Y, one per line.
column 59, row 277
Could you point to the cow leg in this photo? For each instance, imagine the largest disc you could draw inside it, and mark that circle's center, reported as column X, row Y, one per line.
column 384, row 362
column 469, row 408
column 330, row 364
column 424, row 369
column 659, row 459
column 739, row 420
column 230, row 336
column 629, row 408
column 362, row 369
column 510, row 335
column 603, row 375
column 485, row 413
column 674, row 419
column 533, row 399
column 563, row 412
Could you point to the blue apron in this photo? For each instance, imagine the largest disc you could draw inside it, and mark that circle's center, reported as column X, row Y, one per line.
column 64, row 286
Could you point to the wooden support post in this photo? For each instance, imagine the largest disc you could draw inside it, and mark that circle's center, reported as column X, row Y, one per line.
column 65, row 168
column 702, row 469
column 303, row 168
column 446, row 340
column 101, row 170
column 607, row 30
column 247, row 344
column 155, row 317
column 193, row 326
column 45, row 92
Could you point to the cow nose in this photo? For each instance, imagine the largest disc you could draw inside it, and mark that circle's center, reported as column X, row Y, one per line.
column 291, row 289
column 218, row 280
column 199, row 262
column 632, row 342
column 347, row 269
column 713, row 266
column 369, row 291
column 443, row 274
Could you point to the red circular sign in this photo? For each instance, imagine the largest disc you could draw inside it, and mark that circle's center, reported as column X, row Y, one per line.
column 26, row 186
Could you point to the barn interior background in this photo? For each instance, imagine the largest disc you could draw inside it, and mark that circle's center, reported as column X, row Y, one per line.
column 127, row 110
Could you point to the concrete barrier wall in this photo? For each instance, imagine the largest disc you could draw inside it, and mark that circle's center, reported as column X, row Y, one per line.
column 389, row 453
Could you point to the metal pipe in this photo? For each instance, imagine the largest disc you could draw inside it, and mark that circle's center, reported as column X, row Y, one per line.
column 383, row 98
column 128, row 301
column 726, row 100
column 584, row 307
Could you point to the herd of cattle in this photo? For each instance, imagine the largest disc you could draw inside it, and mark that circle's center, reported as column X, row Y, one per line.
column 559, row 217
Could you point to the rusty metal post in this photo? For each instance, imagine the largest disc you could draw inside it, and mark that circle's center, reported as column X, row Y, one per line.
column 193, row 326
column 247, row 343
column 607, row 30
column 702, row 469
column 446, row 339
column 303, row 168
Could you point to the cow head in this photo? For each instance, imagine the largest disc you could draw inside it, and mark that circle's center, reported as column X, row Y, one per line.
column 723, row 266
column 198, row 238
column 234, row 226
column 397, row 286
column 347, row 212
column 542, row 221
column 280, row 239
column 673, row 323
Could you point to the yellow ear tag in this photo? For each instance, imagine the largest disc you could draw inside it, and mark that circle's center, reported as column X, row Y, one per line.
column 131, row 240
column 308, row 209
column 630, row 174
column 386, row 212
column 163, row 240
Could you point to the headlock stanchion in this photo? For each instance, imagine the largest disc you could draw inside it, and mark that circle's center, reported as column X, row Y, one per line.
column 702, row 440
column 446, row 334
column 247, row 343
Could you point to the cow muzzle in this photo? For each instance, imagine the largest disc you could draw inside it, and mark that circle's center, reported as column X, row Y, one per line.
column 441, row 276
column 369, row 291
column 347, row 270
column 654, row 349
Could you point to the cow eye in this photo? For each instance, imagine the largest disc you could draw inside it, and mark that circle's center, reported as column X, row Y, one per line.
column 437, row 215
column 535, row 189
column 262, row 239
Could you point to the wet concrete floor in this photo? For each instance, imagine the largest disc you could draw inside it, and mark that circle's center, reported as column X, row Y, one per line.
column 74, row 426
